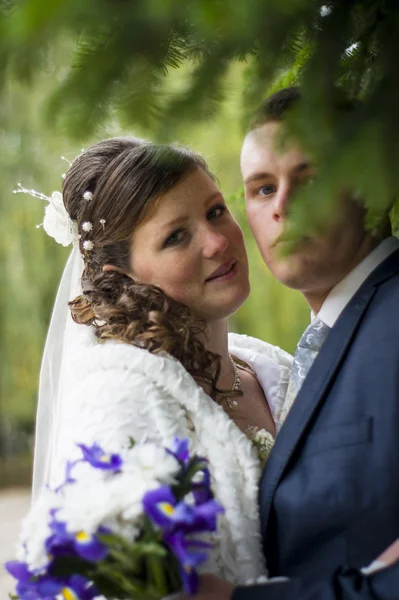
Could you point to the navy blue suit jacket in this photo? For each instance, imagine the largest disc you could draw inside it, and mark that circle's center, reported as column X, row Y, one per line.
column 329, row 495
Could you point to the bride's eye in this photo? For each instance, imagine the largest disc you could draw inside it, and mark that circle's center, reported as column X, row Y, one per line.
column 266, row 190
column 216, row 211
column 175, row 238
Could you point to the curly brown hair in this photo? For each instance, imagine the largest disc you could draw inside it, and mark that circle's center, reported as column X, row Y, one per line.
column 126, row 178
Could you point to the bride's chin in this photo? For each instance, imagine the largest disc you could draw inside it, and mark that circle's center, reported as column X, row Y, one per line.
column 229, row 305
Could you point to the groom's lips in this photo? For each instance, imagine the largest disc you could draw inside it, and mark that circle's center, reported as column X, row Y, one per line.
column 285, row 239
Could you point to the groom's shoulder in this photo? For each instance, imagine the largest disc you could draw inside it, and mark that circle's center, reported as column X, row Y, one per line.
column 381, row 318
column 386, row 300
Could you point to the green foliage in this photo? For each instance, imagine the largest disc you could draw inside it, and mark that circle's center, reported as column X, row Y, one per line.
column 125, row 55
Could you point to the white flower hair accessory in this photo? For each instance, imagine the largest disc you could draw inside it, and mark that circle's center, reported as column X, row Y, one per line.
column 88, row 196
column 88, row 245
column 87, row 226
column 57, row 223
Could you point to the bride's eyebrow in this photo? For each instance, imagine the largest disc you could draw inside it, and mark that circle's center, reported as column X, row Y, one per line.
column 180, row 220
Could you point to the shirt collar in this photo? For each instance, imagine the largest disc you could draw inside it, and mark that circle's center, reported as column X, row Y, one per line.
column 344, row 291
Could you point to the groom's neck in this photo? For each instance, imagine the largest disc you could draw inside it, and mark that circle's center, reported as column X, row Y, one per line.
column 316, row 297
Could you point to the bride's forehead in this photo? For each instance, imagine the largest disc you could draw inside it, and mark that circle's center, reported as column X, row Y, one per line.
column 190, row 194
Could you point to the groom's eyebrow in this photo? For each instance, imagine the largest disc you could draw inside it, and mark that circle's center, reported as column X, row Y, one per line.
column 303, row 166
column 257, row 177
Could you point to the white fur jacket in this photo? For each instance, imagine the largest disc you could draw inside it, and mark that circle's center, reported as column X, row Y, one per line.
column 120, row 391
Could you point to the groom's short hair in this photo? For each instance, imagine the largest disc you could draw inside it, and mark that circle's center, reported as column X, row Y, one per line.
column 275, row 107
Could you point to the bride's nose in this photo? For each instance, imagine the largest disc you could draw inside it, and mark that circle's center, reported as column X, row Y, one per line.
column 214, row 243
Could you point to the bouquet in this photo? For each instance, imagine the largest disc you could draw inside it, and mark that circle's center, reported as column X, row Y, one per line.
column 128, row 526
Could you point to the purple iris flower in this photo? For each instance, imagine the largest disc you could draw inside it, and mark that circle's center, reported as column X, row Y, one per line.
column 202, row 489
column 60, row 542
column 180, row 450
column 31, row 587
column 190, row 554
column 85, row 545
column 19, row 571
column 26, row 592
column 88, row 546
column 99, row 459
column 163, row 509
column 79, row 588
column 160, row 505
column 206, row 516
column 47, row 587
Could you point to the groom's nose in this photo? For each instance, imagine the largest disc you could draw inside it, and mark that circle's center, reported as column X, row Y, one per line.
column 281, row 200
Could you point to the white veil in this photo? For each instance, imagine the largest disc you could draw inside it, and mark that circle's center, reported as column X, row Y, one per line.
column 63, row 338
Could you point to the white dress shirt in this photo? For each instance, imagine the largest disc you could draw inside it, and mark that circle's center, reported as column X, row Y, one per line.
column 344, row 291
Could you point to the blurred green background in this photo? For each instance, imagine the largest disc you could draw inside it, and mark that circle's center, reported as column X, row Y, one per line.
column 31, row 263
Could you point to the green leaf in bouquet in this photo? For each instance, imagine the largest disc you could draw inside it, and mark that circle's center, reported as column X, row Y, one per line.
column 156, row 572
column 107, row 587
column 149, row 544
column 149, row 549
column 165, row 573
column 185, row 482
column 113, row 584
column 124, row 560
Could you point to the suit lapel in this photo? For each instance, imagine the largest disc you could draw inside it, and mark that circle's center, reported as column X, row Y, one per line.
column 315, row 385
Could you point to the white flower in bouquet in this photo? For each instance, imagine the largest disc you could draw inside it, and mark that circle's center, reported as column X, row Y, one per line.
column 86, row 508
column 35, row 530
column 154, row 464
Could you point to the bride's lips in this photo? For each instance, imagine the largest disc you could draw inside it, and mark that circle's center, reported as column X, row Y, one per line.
column 226, row 271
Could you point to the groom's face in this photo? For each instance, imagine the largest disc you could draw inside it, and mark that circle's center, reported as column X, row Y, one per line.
column 271, row 176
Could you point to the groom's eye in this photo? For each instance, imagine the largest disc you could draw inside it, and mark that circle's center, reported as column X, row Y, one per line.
column 308, row 180
column 266, row 190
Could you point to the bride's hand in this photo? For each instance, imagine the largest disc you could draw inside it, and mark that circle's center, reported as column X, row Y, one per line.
column 212, row 588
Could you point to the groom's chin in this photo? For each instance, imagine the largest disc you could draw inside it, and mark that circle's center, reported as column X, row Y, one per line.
column 292, row 271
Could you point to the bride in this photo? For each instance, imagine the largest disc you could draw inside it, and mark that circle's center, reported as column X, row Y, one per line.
column 143, row 350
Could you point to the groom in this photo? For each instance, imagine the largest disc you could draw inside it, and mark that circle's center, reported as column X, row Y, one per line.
column 329, row 496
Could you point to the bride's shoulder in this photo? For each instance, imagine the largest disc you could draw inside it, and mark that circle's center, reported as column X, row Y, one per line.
column 120, row 369
column 255, row 346
column 118, row 356
column 115, row 368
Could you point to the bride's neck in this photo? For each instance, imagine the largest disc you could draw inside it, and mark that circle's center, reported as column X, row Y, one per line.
column 217, row 342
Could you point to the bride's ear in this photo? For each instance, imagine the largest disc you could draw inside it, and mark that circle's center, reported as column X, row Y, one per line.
column 109, row 268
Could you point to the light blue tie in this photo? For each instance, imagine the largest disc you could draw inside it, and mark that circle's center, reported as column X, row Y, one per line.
column 306, row 351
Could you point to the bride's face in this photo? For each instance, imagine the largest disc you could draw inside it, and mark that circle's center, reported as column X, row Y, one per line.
column 193, row 249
